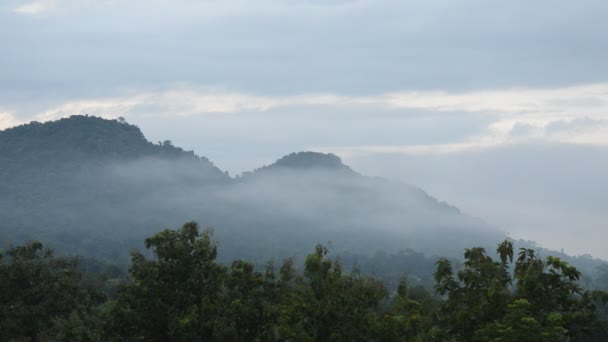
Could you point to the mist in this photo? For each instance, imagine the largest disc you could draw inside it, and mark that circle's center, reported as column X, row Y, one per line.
column 554, row 194
column 274, row 212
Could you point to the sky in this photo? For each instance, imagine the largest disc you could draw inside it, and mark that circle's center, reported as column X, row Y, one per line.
column 499, row 108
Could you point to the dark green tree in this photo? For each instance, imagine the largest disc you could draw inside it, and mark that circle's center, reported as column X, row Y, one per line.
column 551, row 286
column 547, row 303
column 334, row 306
column 176, row 294
column 43, row 298
column 519, row 324
column 409, row 316
column 480, row 294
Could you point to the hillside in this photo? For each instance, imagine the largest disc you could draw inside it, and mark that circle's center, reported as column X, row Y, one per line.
column 97, row 187
column 80, row 139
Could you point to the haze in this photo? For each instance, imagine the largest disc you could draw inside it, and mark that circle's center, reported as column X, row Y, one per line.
column 499, row 109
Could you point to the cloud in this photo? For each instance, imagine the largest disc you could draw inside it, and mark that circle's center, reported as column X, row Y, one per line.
column 537, row 106
column 521, row 130
column 514, row 115
column 38, row 7
column 427, row 149
column 574, row 125
column 277, row 47
column 8, row 120
column 519, row 116
column 35, row 7
column 105, row 107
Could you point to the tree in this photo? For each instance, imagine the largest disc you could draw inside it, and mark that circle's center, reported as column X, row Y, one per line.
column 181, row 293
column 40, row 293
column 519, row 324
column 409, row 316
column 334, row 305
column 479, row 295
column 173, row 295
column 551, row 286
column 548, row 304
column 249, row 305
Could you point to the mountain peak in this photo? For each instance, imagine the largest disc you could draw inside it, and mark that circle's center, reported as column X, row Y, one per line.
column 79, row 133
column 83, row 138
column 309, row 160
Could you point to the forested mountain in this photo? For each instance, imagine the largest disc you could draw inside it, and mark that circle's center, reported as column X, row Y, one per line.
column 85, row 184
column 96, row 188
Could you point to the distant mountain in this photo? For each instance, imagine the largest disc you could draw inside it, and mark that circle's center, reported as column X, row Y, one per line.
column 307, row 161
column 81, row 139
column 97, row 187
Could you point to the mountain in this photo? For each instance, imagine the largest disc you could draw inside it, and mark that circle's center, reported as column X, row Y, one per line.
column 307, row 161
column 97, row 187
column 84, row 139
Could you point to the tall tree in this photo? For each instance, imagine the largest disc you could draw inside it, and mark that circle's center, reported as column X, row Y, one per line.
column 174, row 294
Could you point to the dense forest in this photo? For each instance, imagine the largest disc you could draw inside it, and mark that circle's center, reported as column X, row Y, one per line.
column 181, row 293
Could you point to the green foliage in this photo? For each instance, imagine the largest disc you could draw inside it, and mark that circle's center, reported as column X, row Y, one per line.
column 172, row 294
column 519, row 324
column 547, row 304
column 334, row 305
column 409, row 315
column 183, row 294
column 478, row 296
column 41, row 295
column 179, row 292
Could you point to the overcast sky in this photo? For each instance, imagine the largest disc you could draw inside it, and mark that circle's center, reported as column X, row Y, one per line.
column 500, row 108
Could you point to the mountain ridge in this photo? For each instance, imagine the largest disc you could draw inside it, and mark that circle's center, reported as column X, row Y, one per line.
column 76, row 180
column 97, row 187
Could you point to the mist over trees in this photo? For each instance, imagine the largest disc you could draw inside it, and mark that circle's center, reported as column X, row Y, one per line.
column 96, row 187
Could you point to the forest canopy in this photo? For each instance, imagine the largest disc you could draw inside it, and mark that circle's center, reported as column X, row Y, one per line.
column 180, row 292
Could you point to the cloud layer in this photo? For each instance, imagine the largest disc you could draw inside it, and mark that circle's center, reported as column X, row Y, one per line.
column 297, row 46
column 576, row 114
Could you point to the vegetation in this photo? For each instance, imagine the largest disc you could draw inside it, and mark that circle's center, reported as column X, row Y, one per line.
column 76, row 183
column 181, row 293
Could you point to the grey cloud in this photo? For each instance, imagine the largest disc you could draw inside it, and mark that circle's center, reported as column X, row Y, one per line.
column 572, row 125
column 521, row 130
column 357, row 47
